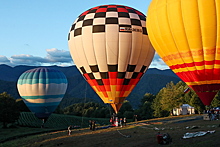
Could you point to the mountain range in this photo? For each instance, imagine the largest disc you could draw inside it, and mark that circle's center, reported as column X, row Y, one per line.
column 79, row 91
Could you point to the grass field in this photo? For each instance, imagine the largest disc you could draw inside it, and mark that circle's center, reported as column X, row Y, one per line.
column 140, row 134
column 28, row 124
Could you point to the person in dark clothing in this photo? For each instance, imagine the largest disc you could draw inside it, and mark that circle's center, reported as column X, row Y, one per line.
column 93, row 125
column 90, row 124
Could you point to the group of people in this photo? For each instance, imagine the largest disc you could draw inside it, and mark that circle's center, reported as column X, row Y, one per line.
column 213, row 114
column 114, row 121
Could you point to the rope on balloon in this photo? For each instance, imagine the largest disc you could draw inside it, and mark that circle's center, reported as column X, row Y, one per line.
column 84, row 105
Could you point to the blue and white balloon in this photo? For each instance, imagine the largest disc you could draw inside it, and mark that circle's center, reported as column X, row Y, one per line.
column 42, row 89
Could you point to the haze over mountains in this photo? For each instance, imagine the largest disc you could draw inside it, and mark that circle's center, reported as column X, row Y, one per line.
column 79, row 91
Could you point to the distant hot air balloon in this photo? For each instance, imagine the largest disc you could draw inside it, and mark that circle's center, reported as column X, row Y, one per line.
column 42, row 89
column 110, row 47
column 186, row 35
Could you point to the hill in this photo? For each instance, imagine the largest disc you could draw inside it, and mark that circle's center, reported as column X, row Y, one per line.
column 152, row 81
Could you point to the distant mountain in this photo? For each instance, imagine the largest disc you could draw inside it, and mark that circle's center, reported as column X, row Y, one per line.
column 79, row 91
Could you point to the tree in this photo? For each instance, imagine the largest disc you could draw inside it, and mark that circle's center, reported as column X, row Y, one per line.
column 157, row 106
column 216, row 100
column 197, row 103
column 145, row 109
column 22, row 106
column 9, row 112
column 172, row 96
column 168, row 98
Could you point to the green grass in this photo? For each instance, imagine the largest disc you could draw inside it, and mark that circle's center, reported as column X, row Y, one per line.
column 28, row 124
column 27, row 119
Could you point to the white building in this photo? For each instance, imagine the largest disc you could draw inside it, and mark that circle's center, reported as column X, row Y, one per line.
column 185, row 109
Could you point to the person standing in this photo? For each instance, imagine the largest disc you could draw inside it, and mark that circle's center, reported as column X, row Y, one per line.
column 69, row 130
column 125, row 121
column 90, row 124
column 121, row 122
column 93, row 125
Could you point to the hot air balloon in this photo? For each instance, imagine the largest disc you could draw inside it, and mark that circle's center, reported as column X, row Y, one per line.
column 185, row 33
column 110, row 47
column 42, row 89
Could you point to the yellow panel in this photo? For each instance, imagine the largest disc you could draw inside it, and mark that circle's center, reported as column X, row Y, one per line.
column 217, row 56
column 208, row 24
column 109, row 93
column 113, row 91
column 117, row 94
column 126, row 93
column 203, row 82
column 155, row 37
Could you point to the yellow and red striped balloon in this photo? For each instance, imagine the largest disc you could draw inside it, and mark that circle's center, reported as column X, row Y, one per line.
column 186, row 35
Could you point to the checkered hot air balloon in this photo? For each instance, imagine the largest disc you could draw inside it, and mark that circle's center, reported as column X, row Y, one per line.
column 110, row 47
column 42, row 89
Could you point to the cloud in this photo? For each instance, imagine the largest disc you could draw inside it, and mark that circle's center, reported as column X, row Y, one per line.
column 53, row 57
column 158, row 63
column 59, row 57
column 27, row 60
column 5, row 60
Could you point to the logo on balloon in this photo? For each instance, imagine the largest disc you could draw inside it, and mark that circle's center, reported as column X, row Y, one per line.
column 129, row 29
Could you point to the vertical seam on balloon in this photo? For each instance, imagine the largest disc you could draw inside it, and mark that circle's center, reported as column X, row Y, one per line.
column 216, row 52
column 106, row 46
column 188, row 46
column 84, row 55
column 173, row 37
column 159, row 30
column 104, row 86
column 201, row 41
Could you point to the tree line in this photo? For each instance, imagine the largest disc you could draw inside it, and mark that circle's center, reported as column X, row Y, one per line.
column 151, row 106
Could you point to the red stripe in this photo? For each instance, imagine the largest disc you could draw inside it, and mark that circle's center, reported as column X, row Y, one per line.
column 202, row 63
column 86, row 76
column 134, row 81
column 199, row 75
column 122, row 10
column 140, row 75
column 112, row 6
column 119, row 84
column 84, row 13
column 101, row 10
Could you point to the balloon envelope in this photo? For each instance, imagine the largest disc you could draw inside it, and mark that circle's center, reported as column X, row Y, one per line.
column 42, row 89
column 110, row 47
column 185, row 33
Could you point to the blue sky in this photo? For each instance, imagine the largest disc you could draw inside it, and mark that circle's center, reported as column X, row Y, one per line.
column 34, row 32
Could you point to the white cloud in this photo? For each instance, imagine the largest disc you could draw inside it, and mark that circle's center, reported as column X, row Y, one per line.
column 158, row 63
column 5, row 60
column 27, row 60
column 53, row 57
column 61, row 58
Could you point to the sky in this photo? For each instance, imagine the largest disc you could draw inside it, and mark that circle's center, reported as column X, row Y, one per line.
column 34, row 32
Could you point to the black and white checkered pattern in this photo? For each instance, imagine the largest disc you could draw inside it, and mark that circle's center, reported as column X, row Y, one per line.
column 98, row 20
